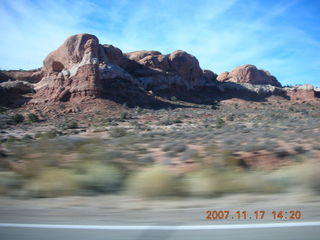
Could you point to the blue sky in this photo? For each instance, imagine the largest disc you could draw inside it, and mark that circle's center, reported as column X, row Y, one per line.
column 282, row 36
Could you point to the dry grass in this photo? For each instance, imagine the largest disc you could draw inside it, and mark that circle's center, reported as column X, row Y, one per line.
column 52, row 182
column 155, row 181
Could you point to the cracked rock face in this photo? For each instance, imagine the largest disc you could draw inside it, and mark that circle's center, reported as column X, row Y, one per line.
column 249, row 74
column 71, row 71
column 81, row 68
column 78, row 69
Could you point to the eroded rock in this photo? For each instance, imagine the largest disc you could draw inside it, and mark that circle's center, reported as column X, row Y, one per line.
column 249, row 74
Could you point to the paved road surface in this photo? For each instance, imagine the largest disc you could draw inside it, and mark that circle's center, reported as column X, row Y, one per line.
column 74, row 222
column 283, row 231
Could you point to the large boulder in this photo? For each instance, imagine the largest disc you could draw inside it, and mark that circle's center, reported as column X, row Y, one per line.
column 249, row 74
column 185, row 64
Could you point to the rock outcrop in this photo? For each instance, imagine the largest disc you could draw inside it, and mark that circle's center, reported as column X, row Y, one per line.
column 82, row 67
column 78, row 69
column 71, row 70
column 16, row 87
column 12, row 93
column 249, row 91
column 31, row 76
column 305, row 92
column 249, row 74
column 176, row 71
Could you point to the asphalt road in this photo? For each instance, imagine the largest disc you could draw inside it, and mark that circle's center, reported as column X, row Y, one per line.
column 59, row 222
column 248, row 233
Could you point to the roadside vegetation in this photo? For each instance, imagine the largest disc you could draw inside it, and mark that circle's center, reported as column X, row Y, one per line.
column 201, row 151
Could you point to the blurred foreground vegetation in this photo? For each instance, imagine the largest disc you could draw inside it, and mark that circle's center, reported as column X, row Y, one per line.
column 173, row 152
column 73, row 165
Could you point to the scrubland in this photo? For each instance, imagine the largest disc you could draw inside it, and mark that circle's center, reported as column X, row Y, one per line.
column 201, row 151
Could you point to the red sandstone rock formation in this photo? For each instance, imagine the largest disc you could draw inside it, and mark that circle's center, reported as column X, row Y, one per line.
column 81, row 67
column 71, row 71
column 249, row 74
column 302, row 93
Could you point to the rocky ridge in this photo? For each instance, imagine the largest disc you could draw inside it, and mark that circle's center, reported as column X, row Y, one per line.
column 82, row 69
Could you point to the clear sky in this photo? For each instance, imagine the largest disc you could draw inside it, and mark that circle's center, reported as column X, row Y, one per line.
column 282, row 36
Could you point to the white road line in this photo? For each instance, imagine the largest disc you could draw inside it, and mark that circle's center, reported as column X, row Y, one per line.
column 151, row 227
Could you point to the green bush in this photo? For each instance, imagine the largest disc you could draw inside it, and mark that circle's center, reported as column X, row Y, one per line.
column 72, row 125
column 155, row 181
column 33, row 117
column 17, row 118
column 123, row 115
column 220, row 123
column 97, row 177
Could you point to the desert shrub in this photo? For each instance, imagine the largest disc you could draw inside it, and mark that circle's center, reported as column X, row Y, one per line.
column 209, row 182
column 52, row 182
column 3, row 109
column 9, row 181
column 253, row 182
column 155, row 181
column 117, row 132
column 110, row 155
column 300, row 149
column 201, row 183
column 314, row 181
column 179, row 148
column 281, row 153
column 65, row 124
column 165, row 122
column 191, row 155
column 220, row 123
column 253, row 147
column 177, row 121
column 215, row 105
column 230, row 117
column 33, row 117
column 175, row 147
column 48, row 135
column 17, row 118
column 101, row 178
column 173, row 98
column 123, row 115
column 148, row 159
column 72, row 125
column 138, row 109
